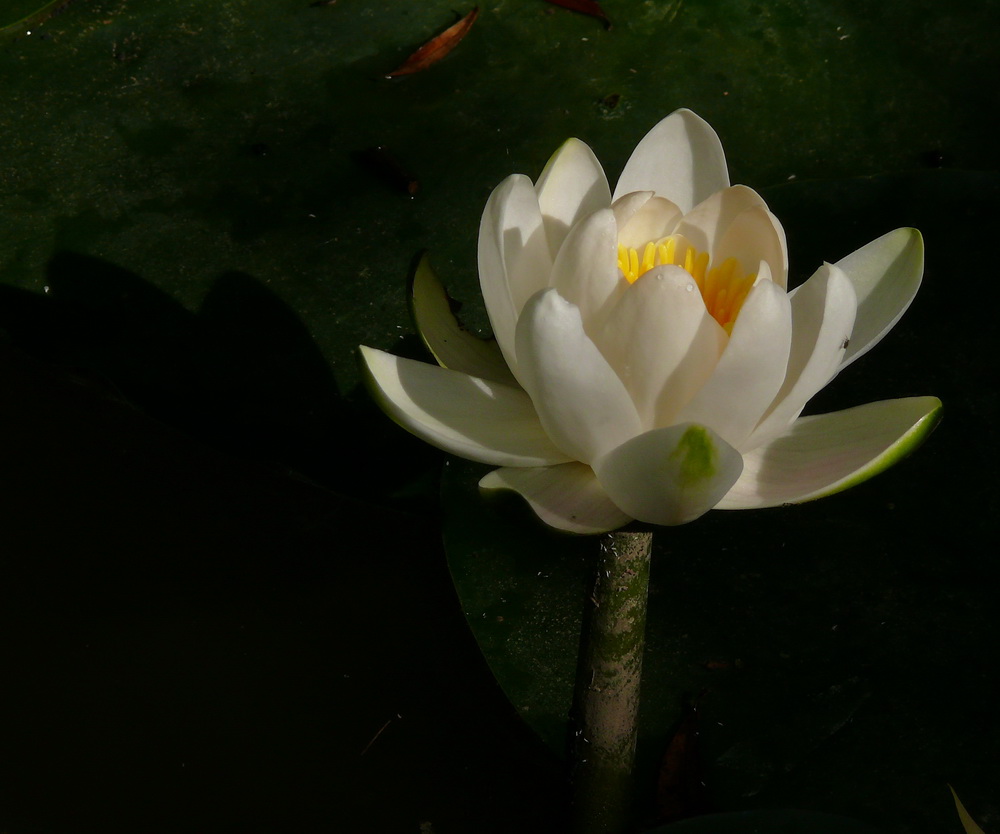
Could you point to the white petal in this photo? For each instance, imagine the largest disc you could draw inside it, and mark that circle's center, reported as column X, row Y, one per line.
column 662, row 342
column 451, row 344
column 628, row 204
column 567, row 496
column 736, row 223
column 670, row 475
column 827, row 453
column 754, row 236
column 580, row 400
column 823, row 310
column 586, row 269
column 886, row 276
column 470, row 417
column 655, row 219
column 680, row 159
column 751, row 369
column 572, row 186
column 706, row 222
column 514, row 259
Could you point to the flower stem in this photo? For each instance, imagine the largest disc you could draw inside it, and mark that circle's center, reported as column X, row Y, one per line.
column 606, row 698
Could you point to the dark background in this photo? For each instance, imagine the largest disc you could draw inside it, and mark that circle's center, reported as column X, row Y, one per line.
column 225, row 597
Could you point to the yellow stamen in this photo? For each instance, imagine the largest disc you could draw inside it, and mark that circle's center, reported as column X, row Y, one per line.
column 723, row 288
column 648, row 257
column 668, row 250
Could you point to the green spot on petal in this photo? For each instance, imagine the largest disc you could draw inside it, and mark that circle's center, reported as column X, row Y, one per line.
column 698, row 456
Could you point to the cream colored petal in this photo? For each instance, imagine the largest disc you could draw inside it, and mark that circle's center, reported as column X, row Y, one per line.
column 681, row 159
column 736, row 223
column 827, row 453
column 567, row 497
column 705, row 223
column 470, row 417
column 514, row 259
column 580, row 400
column 586, row 269
column 572, row 186
column 751, row 369
column 823, row 311
column 671, row 475
column 886, row 275
column 655, row 219
column 628, row 204
column 662, row 342
column 754, row 236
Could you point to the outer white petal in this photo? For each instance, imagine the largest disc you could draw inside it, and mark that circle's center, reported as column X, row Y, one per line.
column 670, row 475
column 452, row 345
column 680, row 159
column 736, row 223
column 654, row 219
column 751, row 369
column 662, row 342
column 567, row 496
column 586, row 269
column 580, row 400
column 470, row 417
column 514, row 259
column 572, row 185
column 823, row 310
column 886, row 275
column 827, row 453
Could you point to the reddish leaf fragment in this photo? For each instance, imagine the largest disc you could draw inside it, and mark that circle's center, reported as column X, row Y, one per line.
column 437, row 47
column 589, row 7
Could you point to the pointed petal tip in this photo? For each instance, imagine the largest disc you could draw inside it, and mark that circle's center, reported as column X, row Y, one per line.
column 968, row 823
column 680, row 158
column 886, row 274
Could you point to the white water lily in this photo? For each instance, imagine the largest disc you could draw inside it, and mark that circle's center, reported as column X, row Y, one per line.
column 651, row 364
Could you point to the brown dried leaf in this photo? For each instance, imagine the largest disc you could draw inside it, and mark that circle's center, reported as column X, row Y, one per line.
column 589, row 7
column 437, row 47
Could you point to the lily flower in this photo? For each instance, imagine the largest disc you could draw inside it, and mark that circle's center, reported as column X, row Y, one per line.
column 649, row 362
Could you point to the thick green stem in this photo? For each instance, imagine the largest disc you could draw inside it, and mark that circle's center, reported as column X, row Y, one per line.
column 606, row 700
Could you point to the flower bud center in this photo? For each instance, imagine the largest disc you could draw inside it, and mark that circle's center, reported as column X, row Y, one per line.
column 723, row 288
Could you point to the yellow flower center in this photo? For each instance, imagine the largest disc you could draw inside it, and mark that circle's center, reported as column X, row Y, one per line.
column 724, row 287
